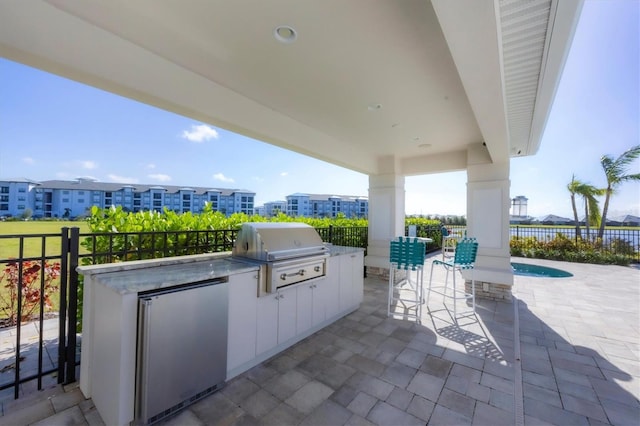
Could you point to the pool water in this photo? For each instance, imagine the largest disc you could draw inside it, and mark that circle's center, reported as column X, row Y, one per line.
column 527, row 270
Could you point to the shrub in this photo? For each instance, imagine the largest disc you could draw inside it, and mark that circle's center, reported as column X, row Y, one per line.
column 33, row 291
column 563, row 248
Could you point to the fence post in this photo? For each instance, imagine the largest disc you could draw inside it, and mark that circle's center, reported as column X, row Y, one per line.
column 331, row 234
column 62, row 315
column 74, row 248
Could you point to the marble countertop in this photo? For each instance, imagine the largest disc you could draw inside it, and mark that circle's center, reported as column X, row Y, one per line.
column 155, row 274
column 342, row 250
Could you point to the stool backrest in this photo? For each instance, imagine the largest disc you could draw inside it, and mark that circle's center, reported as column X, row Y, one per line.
column 407, row 253
column 466, row 251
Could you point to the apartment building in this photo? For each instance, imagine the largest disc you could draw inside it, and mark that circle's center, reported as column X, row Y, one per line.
column 16, row 196
column 272, row 208
column 60, row 198
column 326, row 205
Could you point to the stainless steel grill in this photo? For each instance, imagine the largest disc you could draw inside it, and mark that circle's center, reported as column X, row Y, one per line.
column 288, row 253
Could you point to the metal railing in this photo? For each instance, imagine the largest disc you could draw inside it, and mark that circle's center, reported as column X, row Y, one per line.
column 618, row 241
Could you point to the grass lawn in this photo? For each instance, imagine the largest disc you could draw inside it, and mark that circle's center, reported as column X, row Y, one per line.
column 33, row 241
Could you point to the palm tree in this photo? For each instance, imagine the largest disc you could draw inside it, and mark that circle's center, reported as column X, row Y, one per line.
column 573, row 188
column 615, row 171
column 591, row 209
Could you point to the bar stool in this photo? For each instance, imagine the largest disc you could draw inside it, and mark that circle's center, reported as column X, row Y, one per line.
column 449, row 242
column 407, row 254
column 464, row 259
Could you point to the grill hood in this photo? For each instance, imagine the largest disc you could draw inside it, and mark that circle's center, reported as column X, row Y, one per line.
column 270, row 242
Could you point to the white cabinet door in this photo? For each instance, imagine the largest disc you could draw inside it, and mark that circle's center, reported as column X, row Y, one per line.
column 331, row 295
column 242, row 319
column 320, row 297
column 344, row 282
column 267, row 322
column 357, row 276
column 286, row 314
column 351, row 280
column 305, row 306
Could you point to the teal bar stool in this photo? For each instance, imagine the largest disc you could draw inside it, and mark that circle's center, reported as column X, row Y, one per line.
column 464, row 259
column 406, row 254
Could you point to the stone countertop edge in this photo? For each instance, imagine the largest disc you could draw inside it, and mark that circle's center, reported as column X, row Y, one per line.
column 342, row 250
column 156, row 274
column 148, row 263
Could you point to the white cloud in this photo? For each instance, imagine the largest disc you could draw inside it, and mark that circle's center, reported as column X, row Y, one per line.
column 160, row 177
column 284, row 173
column 151, row 166
column 200, row 133
column 88, row 164
column 28, row 160
column 222, row 178
column 122, row 179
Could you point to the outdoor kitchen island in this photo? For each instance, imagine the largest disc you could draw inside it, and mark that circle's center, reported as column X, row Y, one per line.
column 259, row 326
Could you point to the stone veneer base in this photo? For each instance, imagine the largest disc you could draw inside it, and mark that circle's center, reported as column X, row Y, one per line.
column 383, row 273
column 484, row 290
column 491, row 291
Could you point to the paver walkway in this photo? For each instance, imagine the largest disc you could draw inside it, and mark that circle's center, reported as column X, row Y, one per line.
column 574, row 361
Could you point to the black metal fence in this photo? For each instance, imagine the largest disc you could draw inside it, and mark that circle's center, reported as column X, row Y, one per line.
column 28, row 263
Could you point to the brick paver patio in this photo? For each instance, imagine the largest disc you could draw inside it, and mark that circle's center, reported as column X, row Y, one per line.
column 573, row 359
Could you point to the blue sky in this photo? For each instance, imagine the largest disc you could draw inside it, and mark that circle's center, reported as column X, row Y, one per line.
column 53, row 128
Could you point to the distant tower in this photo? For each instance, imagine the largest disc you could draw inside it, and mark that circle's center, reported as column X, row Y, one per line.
column 519, row 206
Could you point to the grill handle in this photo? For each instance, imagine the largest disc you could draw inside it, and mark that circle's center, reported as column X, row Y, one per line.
column 301, row 272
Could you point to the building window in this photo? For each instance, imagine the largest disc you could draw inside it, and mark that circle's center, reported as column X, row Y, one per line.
column 22, row 190
column 65, row 200
column 65, row 192
column 80, row 192
column 157, row 196
column 80, row 200
column 4, row 206
column 20, row 206
column 4, row 198
column 4, row 189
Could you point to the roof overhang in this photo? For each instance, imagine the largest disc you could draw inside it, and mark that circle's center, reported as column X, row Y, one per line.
column 447, row 75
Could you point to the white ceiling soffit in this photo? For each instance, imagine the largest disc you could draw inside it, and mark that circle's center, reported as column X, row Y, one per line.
column 438, row 75
column 526, row 64
column 536, row 36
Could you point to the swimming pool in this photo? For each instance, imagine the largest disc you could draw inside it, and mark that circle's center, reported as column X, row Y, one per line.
column 528, row 270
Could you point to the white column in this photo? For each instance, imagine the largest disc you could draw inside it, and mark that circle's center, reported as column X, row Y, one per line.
column 386, row 217
column 488, row 203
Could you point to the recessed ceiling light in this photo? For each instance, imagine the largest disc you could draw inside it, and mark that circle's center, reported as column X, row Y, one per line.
column 285, row 34
column 424, row 145
column 374, row 107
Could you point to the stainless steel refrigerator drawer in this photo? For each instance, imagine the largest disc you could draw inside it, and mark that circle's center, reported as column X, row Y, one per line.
column 182, row 348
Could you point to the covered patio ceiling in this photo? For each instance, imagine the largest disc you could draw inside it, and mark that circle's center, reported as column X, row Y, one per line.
column 366, row 82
